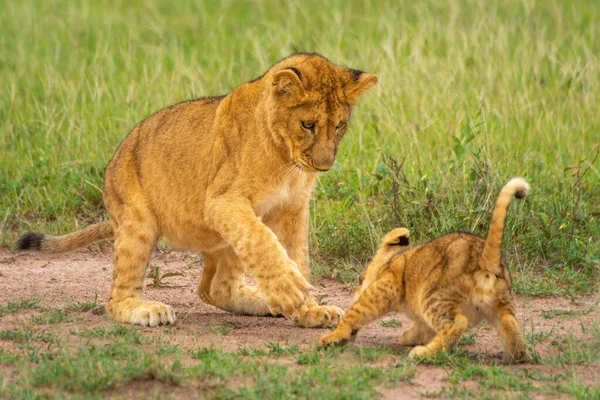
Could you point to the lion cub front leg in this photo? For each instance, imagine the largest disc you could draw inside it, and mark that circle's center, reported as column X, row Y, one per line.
column 135, row 238
column 278, row 277
column 290, row 224
column 223, row 285
column 376, row 301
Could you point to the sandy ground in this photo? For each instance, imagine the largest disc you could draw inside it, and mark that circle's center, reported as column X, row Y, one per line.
column 86, row 275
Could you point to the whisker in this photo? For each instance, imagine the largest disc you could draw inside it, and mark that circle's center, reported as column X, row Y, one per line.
column 281, row 171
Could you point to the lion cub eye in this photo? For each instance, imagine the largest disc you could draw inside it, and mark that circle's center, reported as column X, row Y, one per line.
column 308, row 125
column 340, row 126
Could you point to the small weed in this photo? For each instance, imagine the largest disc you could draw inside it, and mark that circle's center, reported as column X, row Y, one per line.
column 391, row 323
column 549, row 314
column 311, row 357
column 276, row 350
column 158, row 278
column 452, row 392
column 537, row 337
column 54, row 317
column 35, row 354
column 467, row 339
column 165, row 350
column 372, row 353
column 221, row 329
column 83, row 306
column 16, row 306
column 402, row 371
column 26, row 335
column 8, row 358
column 258, row 352
column 130, row 335
column 194, row 262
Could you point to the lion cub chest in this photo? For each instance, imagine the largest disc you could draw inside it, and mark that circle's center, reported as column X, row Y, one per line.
column 285, row 192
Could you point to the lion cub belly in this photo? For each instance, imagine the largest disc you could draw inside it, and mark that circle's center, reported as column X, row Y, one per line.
column 477, row 310
column 194, row 237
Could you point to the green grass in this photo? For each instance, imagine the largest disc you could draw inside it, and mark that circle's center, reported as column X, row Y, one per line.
column 126, row 334
column 114, row 359
column 15, row 306
column 471, row 93
column 391, row 323
column 554, row 313
column 55, row 317
column 92, row 367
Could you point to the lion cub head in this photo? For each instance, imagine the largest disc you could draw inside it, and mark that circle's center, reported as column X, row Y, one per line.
column 309, row 106
column 395, row 241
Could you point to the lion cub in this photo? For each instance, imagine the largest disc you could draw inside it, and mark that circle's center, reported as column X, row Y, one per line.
column 445, row 285
column 230, row 177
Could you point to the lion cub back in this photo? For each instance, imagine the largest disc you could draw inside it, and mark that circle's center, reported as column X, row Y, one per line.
column 446, row 271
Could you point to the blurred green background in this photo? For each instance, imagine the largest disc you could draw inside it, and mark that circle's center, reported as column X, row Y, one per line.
column 471, row 93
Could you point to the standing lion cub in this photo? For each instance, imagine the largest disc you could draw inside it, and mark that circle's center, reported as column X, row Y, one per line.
column 445, row 285
column 231, row 177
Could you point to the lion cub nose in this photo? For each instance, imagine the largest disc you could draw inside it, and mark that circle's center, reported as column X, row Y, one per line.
column 323, row 164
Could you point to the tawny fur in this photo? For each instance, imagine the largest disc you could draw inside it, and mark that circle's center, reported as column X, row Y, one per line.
column 231, row 177
column 445, row 285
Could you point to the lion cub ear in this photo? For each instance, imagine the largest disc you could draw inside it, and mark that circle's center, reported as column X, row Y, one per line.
column 360, row 82
column 397, row 237
column 288, row 82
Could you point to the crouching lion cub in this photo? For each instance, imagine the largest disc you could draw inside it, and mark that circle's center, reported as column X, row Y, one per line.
column 231, row 177
column 445, row 285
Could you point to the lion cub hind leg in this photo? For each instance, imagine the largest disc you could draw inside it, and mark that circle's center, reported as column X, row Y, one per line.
column 449, row 324
column 222, row 285
column 511, row 335
column 375, row 302
column 135, row 238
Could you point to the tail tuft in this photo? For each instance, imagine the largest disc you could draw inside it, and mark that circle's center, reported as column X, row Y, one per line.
column 520, row 187
column 30, row 241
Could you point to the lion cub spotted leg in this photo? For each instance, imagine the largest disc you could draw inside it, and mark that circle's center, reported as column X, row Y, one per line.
column 375, row 302
column 135, row 237
column 511, row 334
column 449, row 325
column 222, row 285
column 290, row 225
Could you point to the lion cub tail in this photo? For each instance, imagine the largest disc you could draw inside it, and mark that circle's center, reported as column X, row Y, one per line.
column 490, row 257
column 71, row 241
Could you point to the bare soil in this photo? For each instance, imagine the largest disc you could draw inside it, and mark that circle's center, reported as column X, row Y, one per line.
column 86, row 275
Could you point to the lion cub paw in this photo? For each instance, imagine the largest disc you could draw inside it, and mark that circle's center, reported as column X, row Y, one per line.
column 420, row 351
column 286, row 292
column 141, row 312
column 335, row 338
column 318, row 316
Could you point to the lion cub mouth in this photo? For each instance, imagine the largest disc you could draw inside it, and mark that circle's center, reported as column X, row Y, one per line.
column 306, row 167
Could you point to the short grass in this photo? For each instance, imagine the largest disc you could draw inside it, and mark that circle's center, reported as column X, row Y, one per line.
column 116, row 360
column 471, row 94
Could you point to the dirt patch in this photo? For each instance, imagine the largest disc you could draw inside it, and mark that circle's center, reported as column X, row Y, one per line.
column 85, row 275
